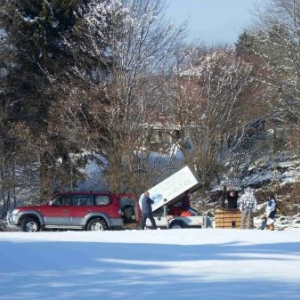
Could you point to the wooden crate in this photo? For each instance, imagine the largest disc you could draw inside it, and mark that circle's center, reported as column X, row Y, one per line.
column 227, row 218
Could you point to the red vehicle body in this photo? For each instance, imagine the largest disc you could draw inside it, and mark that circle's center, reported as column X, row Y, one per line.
column 179, row 212
column 79, row 210
column 178, row 209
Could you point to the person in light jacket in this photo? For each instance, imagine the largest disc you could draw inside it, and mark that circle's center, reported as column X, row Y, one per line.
column 146, row 209
column 247, row 205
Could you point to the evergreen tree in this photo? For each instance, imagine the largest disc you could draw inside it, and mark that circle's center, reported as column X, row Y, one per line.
column 49, row 47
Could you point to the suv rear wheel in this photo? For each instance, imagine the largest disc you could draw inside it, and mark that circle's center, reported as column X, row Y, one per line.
column 96, row 225
column 30, row 225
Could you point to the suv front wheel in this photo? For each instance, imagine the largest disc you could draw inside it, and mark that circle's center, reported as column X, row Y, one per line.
column 30, row 225
column 96, row 225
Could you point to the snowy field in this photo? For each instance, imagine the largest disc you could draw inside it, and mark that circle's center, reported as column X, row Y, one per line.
column 152, row 264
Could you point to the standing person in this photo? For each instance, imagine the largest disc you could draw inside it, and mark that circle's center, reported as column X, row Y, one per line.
column 186, row 204
column 231, row 195
column 248, row 205
column 269, row 215
column 232, row 198
column 145, row 204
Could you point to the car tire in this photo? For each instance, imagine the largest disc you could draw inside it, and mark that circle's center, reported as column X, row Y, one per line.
column 176, row 225
column 96, row 225
column 2, row 226
column 30, row 225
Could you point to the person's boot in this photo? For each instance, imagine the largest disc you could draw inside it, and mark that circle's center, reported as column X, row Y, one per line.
column 272, row 227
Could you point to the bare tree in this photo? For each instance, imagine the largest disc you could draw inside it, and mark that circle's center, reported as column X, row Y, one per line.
column 142, row 47
column 277, row 43
column 210, row 110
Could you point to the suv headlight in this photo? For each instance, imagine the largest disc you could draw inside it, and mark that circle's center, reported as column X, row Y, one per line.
column 15, row 211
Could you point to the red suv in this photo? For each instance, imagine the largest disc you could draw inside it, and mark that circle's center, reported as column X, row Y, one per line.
column 79, row 210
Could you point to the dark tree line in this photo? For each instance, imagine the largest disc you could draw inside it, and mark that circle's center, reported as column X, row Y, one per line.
column 47, row 54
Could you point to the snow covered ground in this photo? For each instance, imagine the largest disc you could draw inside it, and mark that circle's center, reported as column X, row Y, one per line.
column 152, row 264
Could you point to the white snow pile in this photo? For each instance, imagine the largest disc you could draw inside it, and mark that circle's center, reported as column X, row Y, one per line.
column 152, row 264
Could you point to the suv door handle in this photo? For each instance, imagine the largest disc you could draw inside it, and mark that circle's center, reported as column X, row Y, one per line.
column 89, row 210
column 65, row 210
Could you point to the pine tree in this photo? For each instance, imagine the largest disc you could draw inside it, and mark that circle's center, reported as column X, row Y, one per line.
column 47, row 52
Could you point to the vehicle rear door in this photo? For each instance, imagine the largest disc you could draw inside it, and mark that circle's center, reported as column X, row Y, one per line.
column 130, row 208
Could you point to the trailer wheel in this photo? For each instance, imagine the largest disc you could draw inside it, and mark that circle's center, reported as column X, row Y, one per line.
column 176, row 225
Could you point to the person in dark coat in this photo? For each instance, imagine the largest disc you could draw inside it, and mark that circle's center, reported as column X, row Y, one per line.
column 186, row 202
column 146, row 209
column 231, row 196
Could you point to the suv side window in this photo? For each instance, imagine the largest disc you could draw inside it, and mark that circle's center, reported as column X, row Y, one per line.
column 61, row 201
column 101, row 200
column 82, row 200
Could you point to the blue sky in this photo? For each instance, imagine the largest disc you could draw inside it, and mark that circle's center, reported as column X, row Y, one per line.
column 213, row 21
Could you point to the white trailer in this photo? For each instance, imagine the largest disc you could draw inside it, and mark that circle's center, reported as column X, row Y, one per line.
column 169, row 192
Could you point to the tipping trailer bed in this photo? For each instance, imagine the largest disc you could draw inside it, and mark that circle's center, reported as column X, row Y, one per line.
column 173, row 188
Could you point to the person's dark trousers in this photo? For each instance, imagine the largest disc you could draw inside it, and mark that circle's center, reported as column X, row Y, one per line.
column 263, row 224
column 144, row 218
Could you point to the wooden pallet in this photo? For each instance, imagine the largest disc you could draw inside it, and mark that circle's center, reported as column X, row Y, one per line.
column 227, row 218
